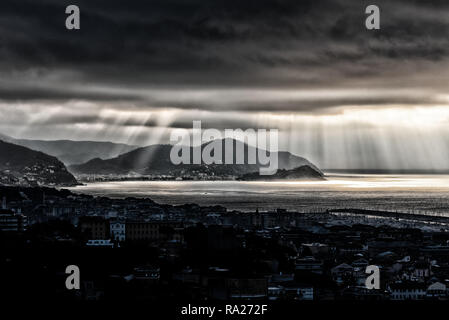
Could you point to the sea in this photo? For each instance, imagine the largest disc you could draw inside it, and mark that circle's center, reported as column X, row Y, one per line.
column 419, row 194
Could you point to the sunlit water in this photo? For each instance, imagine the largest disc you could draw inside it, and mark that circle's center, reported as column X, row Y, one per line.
column 407, row 193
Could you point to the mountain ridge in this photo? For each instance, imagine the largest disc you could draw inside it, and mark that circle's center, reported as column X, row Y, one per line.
column 72, row 151
column 155, row 159
column 23, row 166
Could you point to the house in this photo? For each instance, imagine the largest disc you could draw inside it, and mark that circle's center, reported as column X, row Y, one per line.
column 150, row 230
column 394, row 269
column 342, row 272
column 421, row 270
column 275, row 292
column 247, row 289
column 317, row 248
column 91, row 291
column 11, row 221
column 95, row 227
column 436, row 290
column 360, row 264
column 147, row 273
column 188, row 275
column 297, row 291
column 309, row 264
column 350, row 248
column 281, row 278
column 117, row 229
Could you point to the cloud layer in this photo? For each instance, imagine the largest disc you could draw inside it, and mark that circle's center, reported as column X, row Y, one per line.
column 126, row 49
column 308, row 67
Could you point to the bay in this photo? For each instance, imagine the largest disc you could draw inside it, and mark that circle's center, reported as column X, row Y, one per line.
column 424, row 194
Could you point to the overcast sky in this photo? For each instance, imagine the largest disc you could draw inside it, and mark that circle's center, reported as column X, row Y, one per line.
column 342, row 95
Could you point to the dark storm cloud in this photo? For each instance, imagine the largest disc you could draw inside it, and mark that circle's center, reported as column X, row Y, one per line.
column 216, row 44
column 184, row 122
column 51, row 93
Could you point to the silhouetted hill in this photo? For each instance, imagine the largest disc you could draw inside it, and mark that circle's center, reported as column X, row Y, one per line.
column 155, row 159
column 73, row 152
column 299, row 173
column 23, row 166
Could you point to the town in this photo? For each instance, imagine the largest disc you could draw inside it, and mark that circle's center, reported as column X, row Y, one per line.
column 137, row 249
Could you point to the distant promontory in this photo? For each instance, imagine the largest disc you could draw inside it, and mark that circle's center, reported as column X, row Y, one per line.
column 25, row 167
column 300, row 173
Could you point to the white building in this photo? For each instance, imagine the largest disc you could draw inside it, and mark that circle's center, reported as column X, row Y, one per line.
column 118, row 230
